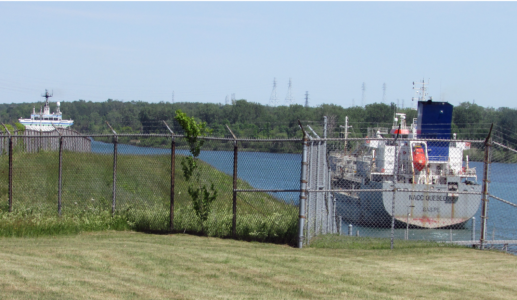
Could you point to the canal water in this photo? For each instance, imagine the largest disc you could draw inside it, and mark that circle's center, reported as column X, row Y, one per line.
column 282, row 171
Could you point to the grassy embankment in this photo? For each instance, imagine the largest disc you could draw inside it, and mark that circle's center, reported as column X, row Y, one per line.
column 143, row 187
column 129, row 265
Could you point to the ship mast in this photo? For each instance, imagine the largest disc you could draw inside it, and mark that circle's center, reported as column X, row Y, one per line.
column 47, row 95
column 346, row 131
column 421, row 92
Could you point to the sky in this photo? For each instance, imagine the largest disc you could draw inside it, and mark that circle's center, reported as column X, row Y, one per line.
column 207, row 51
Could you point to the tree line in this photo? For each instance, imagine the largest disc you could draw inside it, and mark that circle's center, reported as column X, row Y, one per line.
column 253, row 120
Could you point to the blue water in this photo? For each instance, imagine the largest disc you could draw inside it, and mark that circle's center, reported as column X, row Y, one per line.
column 282, row 171
column 261, row 170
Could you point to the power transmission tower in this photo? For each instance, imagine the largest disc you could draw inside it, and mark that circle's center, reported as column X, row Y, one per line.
column 227, row 100
column 307, row 99
column 273, row 99
column 353, row 102
column 384, row 93
column 364, row 95
column 289, row 99
column 233, row 99
column 172, row 97
column 402, row 103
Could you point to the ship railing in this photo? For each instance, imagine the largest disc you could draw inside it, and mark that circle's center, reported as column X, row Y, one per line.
column 470, row 171
column 372, row 131
column 438, row 158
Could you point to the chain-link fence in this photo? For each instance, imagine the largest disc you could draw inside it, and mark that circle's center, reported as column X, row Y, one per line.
column 388, row 187
column 283, row 190
column 405, row 187
column 123, row 175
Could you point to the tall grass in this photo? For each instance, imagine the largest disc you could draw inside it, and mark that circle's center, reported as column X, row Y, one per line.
column 142, row 199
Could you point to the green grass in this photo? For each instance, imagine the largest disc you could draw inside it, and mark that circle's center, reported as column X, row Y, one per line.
column 143, row 199
column 334, row 241
column 129, row 265
column 23, row 224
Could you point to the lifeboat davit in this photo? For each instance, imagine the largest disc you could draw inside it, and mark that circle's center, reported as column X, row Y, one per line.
column 419, row 160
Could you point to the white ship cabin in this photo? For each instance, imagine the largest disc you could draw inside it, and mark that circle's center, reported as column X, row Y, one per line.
column 45, row 120
column 416, row 161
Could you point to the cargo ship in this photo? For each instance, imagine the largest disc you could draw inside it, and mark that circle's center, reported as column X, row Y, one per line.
column 45, row 120
column 428, row 176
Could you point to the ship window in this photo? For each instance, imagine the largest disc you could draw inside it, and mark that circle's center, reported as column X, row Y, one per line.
column 452, row 186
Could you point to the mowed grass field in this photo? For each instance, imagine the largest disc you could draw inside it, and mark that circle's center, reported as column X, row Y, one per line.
column 130, row 265
column 142, row 198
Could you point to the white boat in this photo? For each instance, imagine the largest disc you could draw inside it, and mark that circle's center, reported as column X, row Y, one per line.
column 429, row 176
column 45, row 120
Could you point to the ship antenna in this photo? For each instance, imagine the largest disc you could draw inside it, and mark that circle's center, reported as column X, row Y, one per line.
column 421, row 92
column 47, row 95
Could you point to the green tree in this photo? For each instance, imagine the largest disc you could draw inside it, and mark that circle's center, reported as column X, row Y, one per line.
column 201, row 196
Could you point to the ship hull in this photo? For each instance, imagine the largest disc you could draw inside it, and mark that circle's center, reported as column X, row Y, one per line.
column 60, row 123
column 431, row 208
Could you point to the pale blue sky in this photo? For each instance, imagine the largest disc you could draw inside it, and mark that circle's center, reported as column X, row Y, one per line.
column 204, row 51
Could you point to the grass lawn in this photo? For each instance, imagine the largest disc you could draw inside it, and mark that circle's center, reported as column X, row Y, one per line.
column 121, row 265
column 142, row 198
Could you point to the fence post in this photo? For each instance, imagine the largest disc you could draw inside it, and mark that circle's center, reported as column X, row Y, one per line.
column 173, row 168
column 234, row 204
column 395, row 179
column 10, row 173
column 393, row 218
column 473, row 228
column 60, row 172
column 484, row 211
column 115, row 143
column 308, row 197
column 303, row 188
column 334, row 213
column 314, row 179
column 60, row 176
column 115, row 150
column 10, row 200
column 331, row 213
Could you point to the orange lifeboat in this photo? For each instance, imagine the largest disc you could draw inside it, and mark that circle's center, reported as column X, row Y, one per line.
column 419, row 160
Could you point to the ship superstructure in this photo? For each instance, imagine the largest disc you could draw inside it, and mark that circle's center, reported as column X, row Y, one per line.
column 45, row 120
column 428, row 175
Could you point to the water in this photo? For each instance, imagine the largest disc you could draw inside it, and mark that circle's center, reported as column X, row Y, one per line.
column 282, row 171
column 261, row 170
